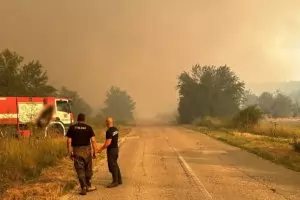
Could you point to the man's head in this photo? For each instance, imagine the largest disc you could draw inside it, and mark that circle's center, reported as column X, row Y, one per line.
column 81, row 117
column 109, row 122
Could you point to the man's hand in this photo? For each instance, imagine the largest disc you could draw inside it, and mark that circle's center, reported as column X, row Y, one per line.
column 71, row 156
column 100, row 150
column 69, row 147
column 94, row 155
column 105, row 145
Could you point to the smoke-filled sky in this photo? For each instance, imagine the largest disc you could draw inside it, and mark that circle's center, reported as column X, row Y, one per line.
column 143, row 45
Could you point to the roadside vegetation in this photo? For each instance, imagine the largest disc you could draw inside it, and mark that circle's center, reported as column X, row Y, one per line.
column 214, row 101
column 38, row 166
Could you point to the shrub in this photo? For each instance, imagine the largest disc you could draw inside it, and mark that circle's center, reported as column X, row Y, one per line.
column 248, row 117
column 210, row 122
column 296, row 144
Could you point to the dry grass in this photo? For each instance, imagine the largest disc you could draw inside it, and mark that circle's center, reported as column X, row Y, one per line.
column 38, row 169
column 276, row 149
column 296, row 145
column 275, row 129
column 24, row 159
column 52, row 183
column 270, row 127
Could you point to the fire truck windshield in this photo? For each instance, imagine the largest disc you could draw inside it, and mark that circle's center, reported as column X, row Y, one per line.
column 63, row 106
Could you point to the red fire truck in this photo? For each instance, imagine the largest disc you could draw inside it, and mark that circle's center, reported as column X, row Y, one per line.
column 17, row 112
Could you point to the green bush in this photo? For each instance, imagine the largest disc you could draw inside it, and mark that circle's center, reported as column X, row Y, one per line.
column 248, row 117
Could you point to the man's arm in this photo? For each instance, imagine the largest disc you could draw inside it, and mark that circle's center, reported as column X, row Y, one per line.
column 94, row 145
column 105, row 145
column 107, row 141
column 69, row 142
column 69, row 146
column 93, row 141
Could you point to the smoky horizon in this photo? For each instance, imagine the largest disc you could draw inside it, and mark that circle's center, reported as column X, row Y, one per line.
column 142, row 47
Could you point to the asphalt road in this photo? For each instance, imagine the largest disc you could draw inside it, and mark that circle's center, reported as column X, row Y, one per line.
column 175, row 163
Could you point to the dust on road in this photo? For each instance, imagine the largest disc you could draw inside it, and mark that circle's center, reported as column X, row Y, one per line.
column 176, row 163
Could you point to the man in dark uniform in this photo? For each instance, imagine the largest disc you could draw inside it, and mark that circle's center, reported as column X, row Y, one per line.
column 111, row 143
column 80, row 136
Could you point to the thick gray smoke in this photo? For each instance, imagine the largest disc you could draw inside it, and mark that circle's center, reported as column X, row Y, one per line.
column 142, row 45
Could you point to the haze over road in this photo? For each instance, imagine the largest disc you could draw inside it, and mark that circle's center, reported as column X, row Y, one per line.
column 147, row 44
column 166, row 162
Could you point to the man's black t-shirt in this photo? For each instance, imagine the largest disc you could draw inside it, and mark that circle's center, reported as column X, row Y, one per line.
column 112, row 133
column 81, row 134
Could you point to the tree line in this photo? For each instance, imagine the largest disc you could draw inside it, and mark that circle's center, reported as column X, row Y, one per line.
column 218, row 92
column 274, row 105
column 31, row 79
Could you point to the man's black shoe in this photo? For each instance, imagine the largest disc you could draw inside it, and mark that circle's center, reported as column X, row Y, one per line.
column 83, row 191
column 112, row 185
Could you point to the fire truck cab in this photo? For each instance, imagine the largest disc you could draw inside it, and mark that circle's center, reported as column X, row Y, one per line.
column 17, row 112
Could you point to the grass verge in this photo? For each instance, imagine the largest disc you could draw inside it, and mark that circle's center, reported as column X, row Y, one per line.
column 276, row 149
column 39, row 169
column 265, row 127
column 23, row 160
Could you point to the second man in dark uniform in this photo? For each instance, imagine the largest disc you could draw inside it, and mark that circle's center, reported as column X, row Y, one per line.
column 112, row 136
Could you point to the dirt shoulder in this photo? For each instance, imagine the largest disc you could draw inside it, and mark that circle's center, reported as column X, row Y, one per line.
column 277, row 150
column 53, row 181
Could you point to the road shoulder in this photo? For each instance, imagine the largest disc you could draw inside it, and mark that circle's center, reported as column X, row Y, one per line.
column 276, row 150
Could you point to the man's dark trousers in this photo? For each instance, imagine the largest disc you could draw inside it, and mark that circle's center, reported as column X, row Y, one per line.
column 83, row 165
column 112, row 161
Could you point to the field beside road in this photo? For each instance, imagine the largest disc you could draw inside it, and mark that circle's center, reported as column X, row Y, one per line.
column 275, row 140
column 39, row 167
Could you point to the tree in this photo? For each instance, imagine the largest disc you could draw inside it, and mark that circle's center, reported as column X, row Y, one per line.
column 17, row 79
column 9, row 72
column 278, row 105
column 35, row 80
column 208, row 91
column 189, row 99
column 265, row 102
column 282, row 106
column 119, row 105
column 296, row 96
column 249, row 99
column 296, row 109
column 248, row 117
column 79, row 105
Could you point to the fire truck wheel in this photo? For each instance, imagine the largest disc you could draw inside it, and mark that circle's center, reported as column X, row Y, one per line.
column 55, row 130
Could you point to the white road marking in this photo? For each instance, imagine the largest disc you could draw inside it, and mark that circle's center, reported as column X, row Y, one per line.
column 213, row 152
column 191, row 173
column 173, row 157
column 132, row 137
